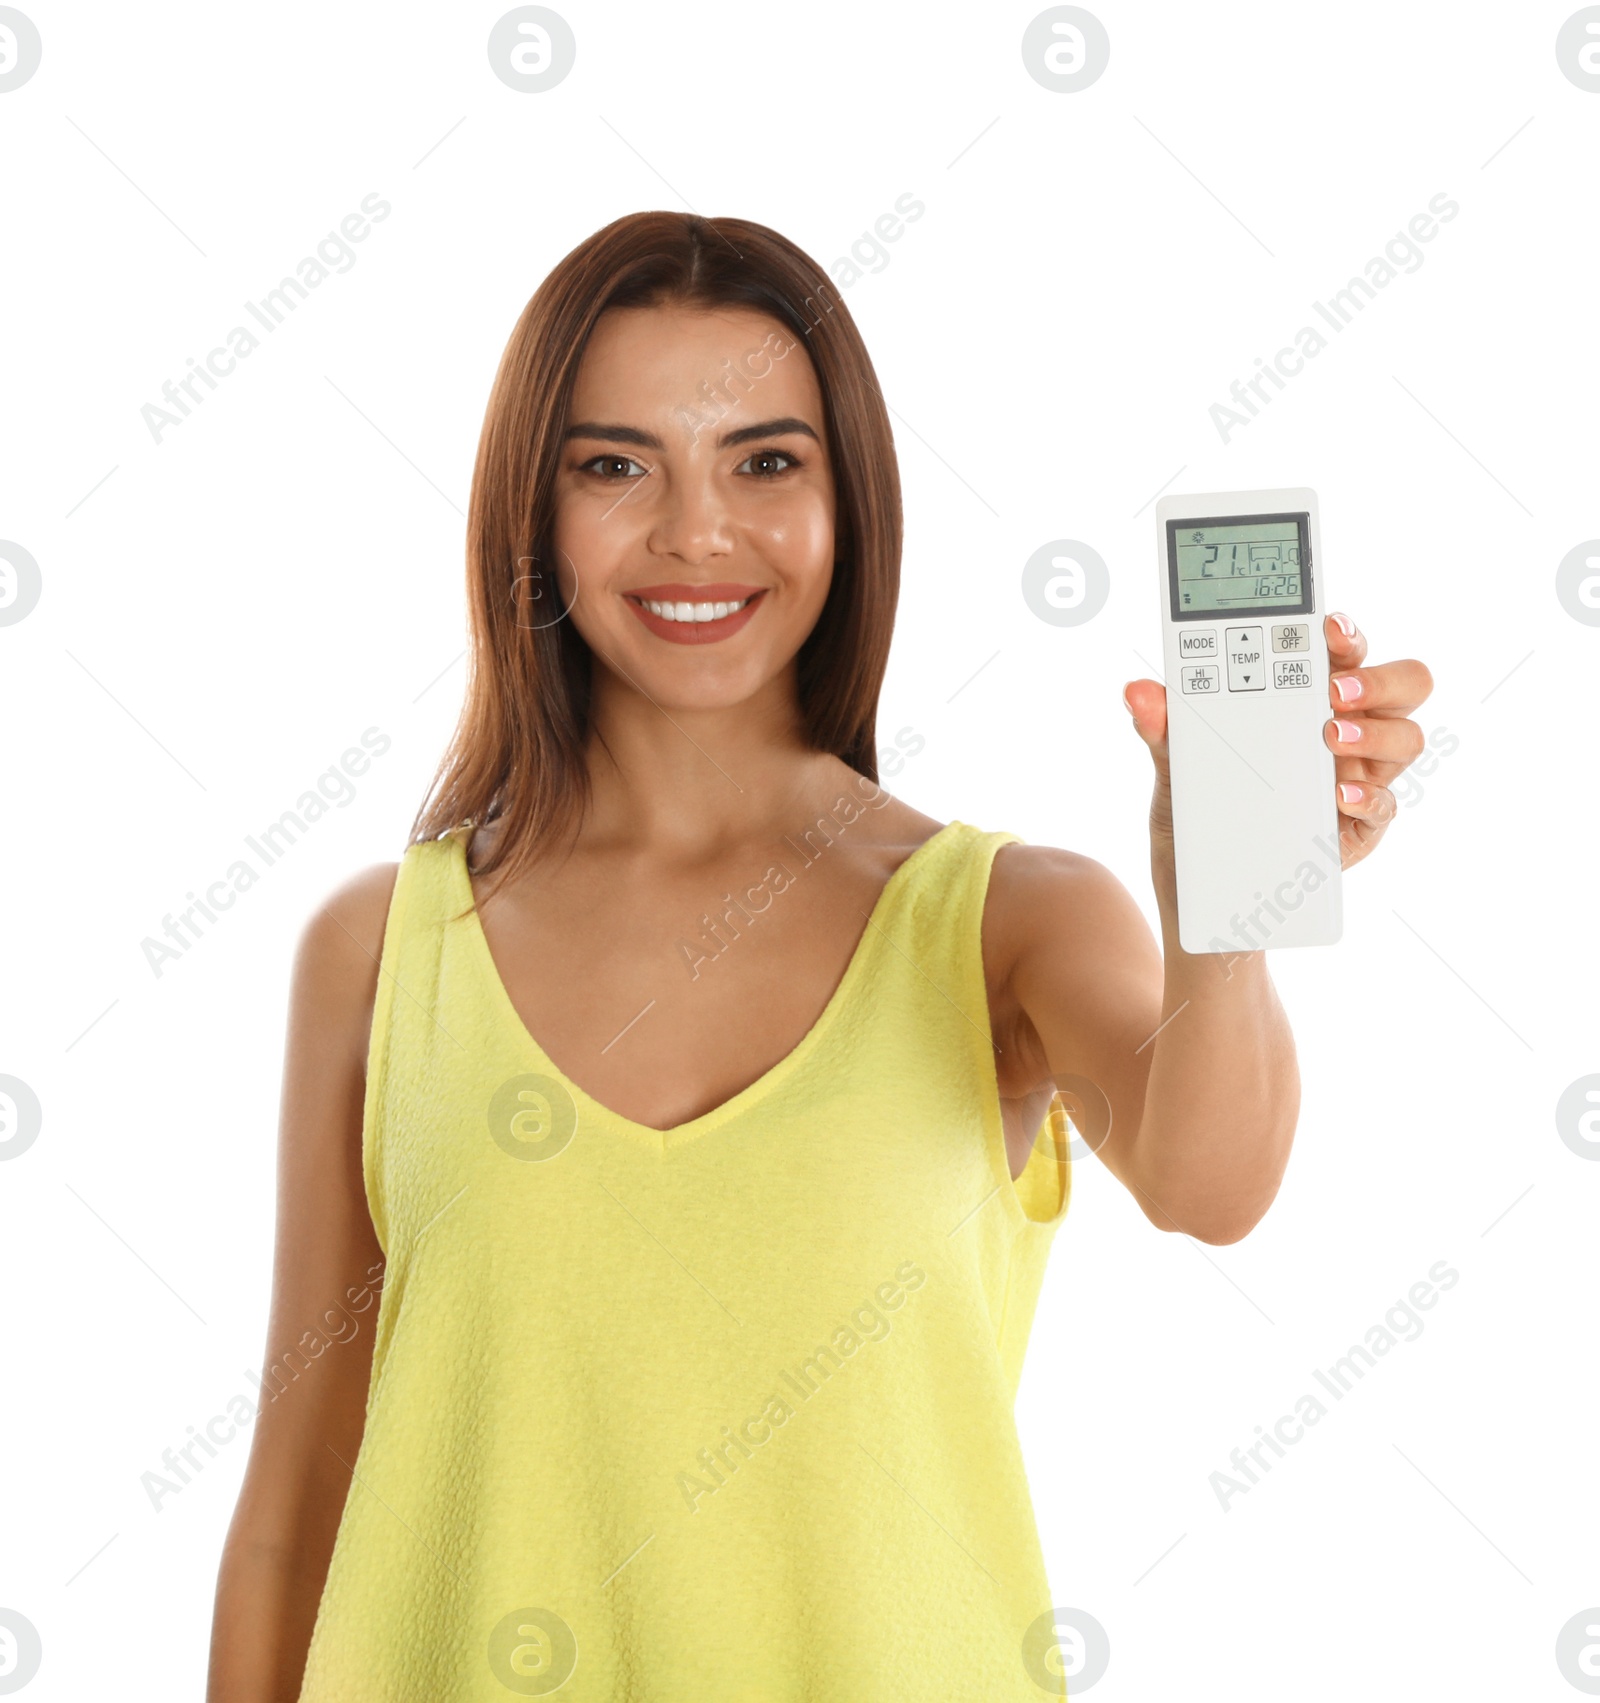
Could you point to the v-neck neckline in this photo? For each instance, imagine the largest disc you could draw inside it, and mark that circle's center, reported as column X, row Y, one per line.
column 769, row 1080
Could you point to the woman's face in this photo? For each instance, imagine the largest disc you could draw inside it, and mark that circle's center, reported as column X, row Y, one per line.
column 694, row 508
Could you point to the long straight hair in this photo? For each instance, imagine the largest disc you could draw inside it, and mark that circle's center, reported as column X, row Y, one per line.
column 518, row 752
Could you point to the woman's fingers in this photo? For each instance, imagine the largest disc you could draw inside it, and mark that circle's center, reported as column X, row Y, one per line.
column 1365, row 812
column 1392, row 688
column 1347, row 645
column 1146, row 702
column 1373, row 739
column 1365, row 801
column 1371, row 734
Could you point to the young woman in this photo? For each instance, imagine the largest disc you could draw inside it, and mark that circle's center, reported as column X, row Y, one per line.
column 687, row 1103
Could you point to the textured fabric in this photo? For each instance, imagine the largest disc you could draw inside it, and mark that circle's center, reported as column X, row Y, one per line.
column 717, row 1413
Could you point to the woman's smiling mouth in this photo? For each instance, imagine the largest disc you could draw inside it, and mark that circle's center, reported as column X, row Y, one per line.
column 694, row 614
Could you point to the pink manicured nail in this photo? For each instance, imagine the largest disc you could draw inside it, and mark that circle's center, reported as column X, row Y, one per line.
column 1349, row 794
column 1346, row 625
column 1348, row 686
column 1348, row 731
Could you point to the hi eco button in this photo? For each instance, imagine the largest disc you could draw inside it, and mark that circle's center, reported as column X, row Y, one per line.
column 1201, row 677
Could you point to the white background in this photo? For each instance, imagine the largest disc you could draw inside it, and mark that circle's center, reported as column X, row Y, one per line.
column 224, row 612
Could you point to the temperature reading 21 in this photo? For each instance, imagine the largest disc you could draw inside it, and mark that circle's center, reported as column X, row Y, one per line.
column 1246, row 563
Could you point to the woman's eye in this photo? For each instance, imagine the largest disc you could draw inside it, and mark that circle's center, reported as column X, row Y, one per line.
column 607, row 465
column 769, row 456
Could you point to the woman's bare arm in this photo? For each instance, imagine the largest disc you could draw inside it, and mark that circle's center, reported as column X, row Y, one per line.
column 1185, row 1060
column 1179, row 1070
column 327, row 1277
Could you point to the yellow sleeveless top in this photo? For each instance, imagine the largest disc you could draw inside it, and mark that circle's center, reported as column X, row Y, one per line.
column 715, row 1414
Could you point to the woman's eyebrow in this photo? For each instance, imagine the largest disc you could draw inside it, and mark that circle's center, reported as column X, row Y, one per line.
column 614, row 434
column 599, row 430
column 766, row 429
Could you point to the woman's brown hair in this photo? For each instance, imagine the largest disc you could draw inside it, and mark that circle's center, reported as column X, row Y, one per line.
column 518, row 750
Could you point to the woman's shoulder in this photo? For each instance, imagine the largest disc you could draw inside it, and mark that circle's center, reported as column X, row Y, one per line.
column 1042, row 894
column 341, row 942
column 336, row 965
column 1030, row 877
column 1021, row 876
column 355, row 911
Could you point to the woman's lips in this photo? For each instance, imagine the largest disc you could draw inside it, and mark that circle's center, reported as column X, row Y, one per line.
column 695, row 632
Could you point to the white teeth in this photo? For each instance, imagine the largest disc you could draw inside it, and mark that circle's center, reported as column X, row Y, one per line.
column 694, row 611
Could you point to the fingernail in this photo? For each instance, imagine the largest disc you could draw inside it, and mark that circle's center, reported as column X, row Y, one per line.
column 1348, row 686
column 1349, row 794
column 1348, row 731
column 1125, row 704
column 1346, row 625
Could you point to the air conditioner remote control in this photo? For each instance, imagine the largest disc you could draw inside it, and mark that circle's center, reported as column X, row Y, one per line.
column 1254, row 822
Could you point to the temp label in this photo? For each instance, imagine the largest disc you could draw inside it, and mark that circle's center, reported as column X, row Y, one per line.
column 1246, row 669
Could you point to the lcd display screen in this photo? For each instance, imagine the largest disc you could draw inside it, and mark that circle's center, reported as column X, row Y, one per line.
column 1239, row 565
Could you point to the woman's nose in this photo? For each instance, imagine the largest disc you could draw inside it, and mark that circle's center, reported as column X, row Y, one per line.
column 691, row 520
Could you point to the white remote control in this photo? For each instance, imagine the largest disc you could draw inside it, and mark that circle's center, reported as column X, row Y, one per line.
column 1254, row 821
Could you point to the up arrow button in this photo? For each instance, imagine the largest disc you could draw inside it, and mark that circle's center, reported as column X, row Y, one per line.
column 1245, row 668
